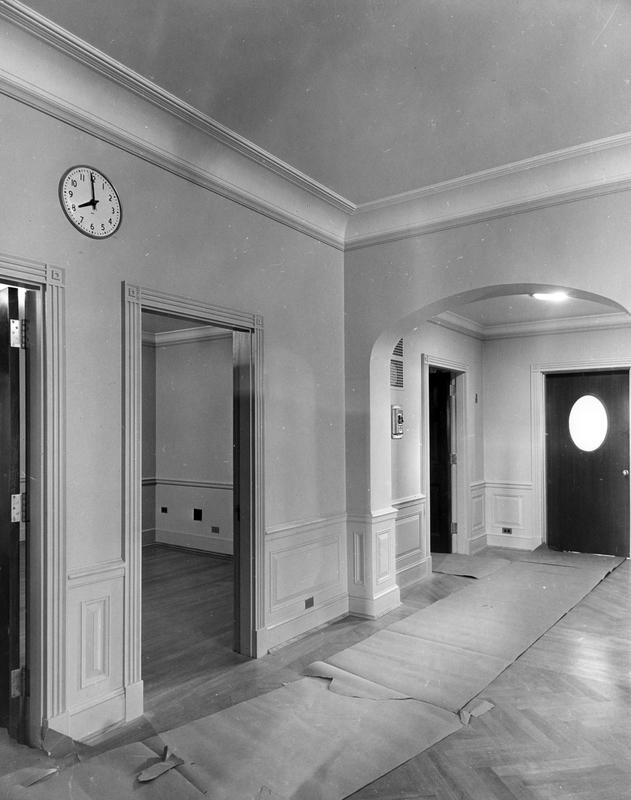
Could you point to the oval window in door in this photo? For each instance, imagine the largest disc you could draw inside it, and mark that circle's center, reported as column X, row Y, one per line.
column 588, row 423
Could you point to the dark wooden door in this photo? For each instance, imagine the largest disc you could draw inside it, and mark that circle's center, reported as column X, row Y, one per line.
column 10, row 661
column 440, row 460
column 587, row 484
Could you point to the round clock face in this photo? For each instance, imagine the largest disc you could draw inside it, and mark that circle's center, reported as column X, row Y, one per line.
column 90, row 202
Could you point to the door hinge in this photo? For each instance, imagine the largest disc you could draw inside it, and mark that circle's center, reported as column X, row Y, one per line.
column 453, row 459
column 454, row 528
column 18, row 507
column 19, row 333
column 18, row 682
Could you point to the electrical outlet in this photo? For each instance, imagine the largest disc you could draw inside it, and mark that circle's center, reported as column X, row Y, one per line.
column 309, row 602
column 197, row 514
column 507, row 530
column 214, row 529
column 164, row 510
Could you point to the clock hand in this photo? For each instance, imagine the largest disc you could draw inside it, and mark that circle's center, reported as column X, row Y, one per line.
column 89, row 203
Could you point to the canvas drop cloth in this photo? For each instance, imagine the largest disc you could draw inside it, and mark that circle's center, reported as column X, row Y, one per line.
column 356, row 716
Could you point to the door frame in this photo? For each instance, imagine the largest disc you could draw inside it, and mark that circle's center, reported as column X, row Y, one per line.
column 538, row 429
column 460, row 484
column 251, row 541
column 46, row 421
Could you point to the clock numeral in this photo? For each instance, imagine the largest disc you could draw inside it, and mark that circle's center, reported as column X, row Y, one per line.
column 81, row 177
column 73, row 183
column 74, row 208
column 70, row 194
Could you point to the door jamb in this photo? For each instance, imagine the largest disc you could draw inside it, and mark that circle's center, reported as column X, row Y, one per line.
column 460, row 485
column 135, row 300
column 538, row 429
column 46, row 418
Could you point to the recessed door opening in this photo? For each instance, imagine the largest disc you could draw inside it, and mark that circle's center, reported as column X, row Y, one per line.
column 189, row 513
column 13, row 507
column 441, row 459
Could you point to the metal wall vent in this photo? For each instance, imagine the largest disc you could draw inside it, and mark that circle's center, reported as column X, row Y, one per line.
column 396, row 366
column 396, row 374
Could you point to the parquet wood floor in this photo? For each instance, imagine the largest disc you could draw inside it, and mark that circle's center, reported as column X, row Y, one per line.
column 560, row 729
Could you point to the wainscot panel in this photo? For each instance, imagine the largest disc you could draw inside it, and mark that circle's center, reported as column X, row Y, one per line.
column 477, row 540
column 412, row 556
column 508, row 510
column 307, row 576
column 95, row 672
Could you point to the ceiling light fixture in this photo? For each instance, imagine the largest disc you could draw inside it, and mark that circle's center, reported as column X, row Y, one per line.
column 553, row 297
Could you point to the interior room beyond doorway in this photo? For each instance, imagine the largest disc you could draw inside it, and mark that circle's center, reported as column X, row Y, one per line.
column 187, row 509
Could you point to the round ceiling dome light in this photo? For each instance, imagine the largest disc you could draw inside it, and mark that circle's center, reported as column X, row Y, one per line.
column 552, row 297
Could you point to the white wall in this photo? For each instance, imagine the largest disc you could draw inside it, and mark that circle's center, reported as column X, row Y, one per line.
column 193, row 451
column 179, row 238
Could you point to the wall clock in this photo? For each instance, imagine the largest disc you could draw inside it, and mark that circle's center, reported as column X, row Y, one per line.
column 90, row 202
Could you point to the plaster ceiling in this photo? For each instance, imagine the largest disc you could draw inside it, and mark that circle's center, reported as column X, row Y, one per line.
column 374, row 98
column 522, row 308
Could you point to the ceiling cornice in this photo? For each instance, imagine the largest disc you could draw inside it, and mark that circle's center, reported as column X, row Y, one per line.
column 184, row 336
column 80, row 50
column 599, row 322
column 261, row 182
column 576, row 173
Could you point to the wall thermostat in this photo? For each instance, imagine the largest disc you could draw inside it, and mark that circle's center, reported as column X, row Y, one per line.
column 397, row 422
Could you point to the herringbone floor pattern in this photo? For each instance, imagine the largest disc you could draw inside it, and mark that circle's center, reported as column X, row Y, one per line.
column 561, row 726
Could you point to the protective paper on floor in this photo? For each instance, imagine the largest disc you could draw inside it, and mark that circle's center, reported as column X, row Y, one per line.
column 307, row 743
column 324, row 737
column 448, row 653
column 466, row 566
column 110, row 776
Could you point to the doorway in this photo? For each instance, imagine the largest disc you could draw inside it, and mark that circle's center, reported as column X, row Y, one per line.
column 188, row 503
column 13, row 529
column 441, row 458
column 587, row 461
column 246, row 333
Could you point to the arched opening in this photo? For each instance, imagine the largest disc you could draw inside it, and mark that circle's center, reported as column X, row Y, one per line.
column 491, row 502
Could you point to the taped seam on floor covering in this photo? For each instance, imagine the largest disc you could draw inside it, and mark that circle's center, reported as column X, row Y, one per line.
column 323, row 738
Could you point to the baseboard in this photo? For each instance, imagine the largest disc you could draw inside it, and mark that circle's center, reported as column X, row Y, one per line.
column 477, row 544
column 410, row 574
column 148, row 536
column 98, row 716
column 194, row 541
column 508, row 540
column 375, row 607
column 305, row 623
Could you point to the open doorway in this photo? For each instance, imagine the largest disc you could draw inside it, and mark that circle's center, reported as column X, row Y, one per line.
column 189, row 581
column 14, row 543
column 442, row 451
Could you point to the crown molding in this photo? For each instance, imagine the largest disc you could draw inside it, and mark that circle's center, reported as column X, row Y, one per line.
column 599, row 322
column 81, row 51
column 184, row 336
column 576, row 173
column 263, row 183
column 250, row 176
